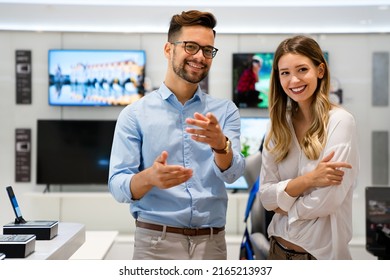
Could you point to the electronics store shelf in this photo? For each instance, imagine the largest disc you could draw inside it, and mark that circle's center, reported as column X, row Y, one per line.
column 69, row 239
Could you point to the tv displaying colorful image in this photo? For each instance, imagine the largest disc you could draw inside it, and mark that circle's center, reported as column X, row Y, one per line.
column 95, row 77
column 251, row 77
column 253, row 130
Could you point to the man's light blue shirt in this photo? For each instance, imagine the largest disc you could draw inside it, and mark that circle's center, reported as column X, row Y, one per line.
column 156, row 123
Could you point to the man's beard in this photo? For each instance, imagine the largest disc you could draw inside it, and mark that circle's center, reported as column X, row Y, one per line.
column 181, row 72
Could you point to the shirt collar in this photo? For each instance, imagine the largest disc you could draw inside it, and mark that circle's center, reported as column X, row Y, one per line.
column 165, row 93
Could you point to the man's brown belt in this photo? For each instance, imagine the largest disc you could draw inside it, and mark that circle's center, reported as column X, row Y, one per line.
column 183, row 231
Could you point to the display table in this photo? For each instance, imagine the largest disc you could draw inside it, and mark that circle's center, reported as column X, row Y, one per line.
column 69, row 239
column 96, row 246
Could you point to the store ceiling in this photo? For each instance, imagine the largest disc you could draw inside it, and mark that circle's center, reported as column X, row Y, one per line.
column 239, row 16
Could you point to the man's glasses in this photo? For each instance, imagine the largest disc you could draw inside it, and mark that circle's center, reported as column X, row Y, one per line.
column 193, row 48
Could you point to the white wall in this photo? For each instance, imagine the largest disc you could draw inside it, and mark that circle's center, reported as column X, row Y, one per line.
column 349, row 59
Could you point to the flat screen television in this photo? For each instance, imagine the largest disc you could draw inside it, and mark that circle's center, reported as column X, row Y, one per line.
column 378, row 221
column 95, row 77
column 253, row 130
column 73, row 152
column 249, row 91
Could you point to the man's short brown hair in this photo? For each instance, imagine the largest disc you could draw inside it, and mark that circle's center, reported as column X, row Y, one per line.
column 190, row 18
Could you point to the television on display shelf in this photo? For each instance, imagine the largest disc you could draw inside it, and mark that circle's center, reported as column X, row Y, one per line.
column 95, row 77
column 253, row 130
column 73, row 152
column 251, row 77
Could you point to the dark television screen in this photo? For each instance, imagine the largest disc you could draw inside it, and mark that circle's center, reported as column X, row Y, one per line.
column 378, row 221
column 249, row 91
column 253, row 130
column 95, row 77
column 74, row 151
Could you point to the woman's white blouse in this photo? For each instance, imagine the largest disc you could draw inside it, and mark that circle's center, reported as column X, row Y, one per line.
column 320, row 220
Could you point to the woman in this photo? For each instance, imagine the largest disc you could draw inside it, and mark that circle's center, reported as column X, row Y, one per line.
column 310, row 160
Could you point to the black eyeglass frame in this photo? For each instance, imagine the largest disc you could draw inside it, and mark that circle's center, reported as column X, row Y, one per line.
column 213, row 51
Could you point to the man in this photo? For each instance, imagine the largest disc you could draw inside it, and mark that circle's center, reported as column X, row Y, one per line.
column 173, row 150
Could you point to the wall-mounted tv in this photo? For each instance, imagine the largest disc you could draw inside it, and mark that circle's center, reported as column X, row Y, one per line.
column 251, row 76
column 95, row 77
column 73, row 152
column 253, row 130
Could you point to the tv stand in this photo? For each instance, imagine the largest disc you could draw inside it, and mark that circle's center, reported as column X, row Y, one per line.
column 47, row 189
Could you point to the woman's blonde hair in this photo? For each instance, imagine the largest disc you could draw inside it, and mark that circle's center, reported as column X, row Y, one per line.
column 280, row 105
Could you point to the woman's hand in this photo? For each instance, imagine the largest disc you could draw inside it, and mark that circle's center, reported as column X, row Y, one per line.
column 328, row 173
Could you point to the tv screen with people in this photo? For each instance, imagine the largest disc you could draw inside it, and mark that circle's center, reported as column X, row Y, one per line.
column 95, row 77
column 251, row 77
